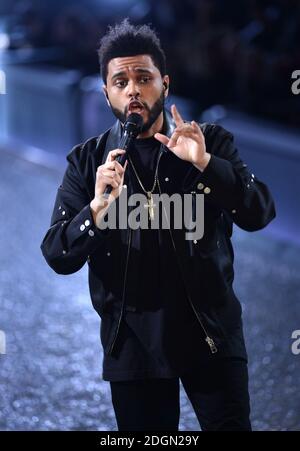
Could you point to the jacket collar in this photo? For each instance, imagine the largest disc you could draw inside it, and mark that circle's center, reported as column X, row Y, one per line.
column 115, row 133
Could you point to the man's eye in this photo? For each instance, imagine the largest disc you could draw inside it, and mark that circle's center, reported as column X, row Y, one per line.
column 145, row 79
column 120, row 83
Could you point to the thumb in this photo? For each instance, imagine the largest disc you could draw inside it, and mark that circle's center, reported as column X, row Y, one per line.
column 161, row 138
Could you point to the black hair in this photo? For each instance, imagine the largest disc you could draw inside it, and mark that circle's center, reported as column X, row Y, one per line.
column 125, row 39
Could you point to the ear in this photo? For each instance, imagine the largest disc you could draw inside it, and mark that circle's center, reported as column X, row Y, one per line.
column 105, row 92
column 166, row 83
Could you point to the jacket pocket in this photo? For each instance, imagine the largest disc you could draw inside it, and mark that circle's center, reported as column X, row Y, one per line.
column 215, row 272
column 228, row 315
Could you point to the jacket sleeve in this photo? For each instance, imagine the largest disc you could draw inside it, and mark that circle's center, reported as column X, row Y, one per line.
column 227, row 183
column 72, row 235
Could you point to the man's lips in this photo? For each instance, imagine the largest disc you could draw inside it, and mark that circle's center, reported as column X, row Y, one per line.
column 136, row 107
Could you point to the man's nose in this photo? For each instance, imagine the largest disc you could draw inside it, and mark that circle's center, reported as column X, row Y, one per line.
column 133, row 89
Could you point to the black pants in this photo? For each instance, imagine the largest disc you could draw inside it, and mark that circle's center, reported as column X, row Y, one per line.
column 218, row 393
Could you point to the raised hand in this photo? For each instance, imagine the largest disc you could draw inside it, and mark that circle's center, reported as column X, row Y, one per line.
column 187, row 141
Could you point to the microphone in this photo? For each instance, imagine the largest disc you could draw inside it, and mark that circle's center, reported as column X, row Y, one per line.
column 132, row 127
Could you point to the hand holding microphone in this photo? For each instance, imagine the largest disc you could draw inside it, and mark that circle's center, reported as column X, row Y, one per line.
column 110, row 175
column 132, row 128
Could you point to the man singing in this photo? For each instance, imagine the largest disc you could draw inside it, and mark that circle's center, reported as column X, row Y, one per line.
column 168, row 310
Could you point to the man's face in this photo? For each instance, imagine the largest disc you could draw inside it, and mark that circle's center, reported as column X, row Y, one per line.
column 135, row 85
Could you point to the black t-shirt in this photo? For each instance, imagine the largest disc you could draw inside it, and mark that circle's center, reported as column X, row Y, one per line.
column 163, row 338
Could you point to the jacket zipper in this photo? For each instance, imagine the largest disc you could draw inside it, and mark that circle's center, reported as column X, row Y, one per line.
column 208, row 339
column 123, row 294
column 124, row 283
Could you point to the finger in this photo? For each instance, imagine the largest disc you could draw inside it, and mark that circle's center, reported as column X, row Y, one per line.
column 174, row 138
column 196, row 127
column 111, row 168
column 112, row 155
column 107, row 172
column 110, row 181
column 161, row 138
column 187, row 131
column 109, row 165
column 119, row 168
column 107, row 175
column 186, row 126
column 188, row 136
column 112, row 176
column 176, row 116
column 117, row 176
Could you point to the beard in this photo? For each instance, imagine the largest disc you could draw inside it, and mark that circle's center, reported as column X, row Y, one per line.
column 153, row 112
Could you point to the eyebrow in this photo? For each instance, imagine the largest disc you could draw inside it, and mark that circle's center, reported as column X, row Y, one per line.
column 137, row 69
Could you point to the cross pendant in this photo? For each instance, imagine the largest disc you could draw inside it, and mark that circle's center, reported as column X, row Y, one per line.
column 150, row 205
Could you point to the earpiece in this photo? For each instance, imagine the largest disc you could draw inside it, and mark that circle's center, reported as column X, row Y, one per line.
column 107, row 99
column 165, row 84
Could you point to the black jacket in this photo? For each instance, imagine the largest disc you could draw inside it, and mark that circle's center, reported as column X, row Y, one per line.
column 231, row 193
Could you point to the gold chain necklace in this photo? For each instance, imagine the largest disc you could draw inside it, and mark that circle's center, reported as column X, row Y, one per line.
column 150, row 205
